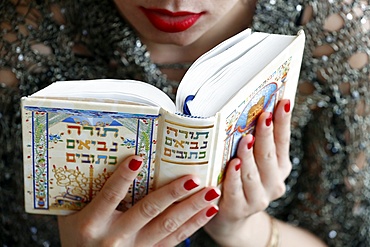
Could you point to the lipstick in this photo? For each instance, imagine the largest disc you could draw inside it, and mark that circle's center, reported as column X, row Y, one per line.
column 171, row 22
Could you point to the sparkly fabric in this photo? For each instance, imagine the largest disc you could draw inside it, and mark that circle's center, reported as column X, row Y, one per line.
column 328, row 191
column 329, row 188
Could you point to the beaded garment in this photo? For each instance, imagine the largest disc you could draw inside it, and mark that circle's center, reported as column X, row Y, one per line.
column 328, row 191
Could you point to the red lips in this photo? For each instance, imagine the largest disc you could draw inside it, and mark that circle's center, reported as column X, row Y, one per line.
column 171, row 22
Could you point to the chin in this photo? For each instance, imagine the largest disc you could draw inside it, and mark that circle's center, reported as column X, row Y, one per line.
column 179, row 39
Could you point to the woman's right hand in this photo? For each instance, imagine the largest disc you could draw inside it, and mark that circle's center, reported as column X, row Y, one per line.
column 156, row 220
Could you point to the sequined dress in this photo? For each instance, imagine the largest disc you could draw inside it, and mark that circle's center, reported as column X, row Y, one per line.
column 328, row 191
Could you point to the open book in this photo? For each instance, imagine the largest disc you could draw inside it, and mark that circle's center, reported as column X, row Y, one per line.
column 75, row 133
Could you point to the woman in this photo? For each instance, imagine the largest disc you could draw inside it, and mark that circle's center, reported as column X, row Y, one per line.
column 327, row 190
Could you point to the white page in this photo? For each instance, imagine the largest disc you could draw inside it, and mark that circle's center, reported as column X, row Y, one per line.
column 108, row 89
column 223, row 46
column 199, row 73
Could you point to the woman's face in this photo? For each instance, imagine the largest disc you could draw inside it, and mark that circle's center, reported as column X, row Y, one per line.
column 176, row 22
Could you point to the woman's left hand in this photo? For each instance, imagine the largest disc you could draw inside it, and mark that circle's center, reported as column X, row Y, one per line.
column 253, row 179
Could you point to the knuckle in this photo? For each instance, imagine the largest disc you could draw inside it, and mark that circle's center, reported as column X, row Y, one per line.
column 158, row 245
column 196, row 206
column 123, row 175
column 265, row 155
column 251, row 176
column 280, row 190
column 285, row 140
column 111, row 242
column 149, row 209
column 181, row 236
column 86, row 231
column 288, row 168
column 289, row 165
column 285, row 167
column 170, row 225
column 200, row 222
column 175, row 193
column 111, row 195
column 263, row 203
column 269, row 155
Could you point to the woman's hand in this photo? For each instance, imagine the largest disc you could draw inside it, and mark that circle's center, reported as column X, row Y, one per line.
column 154, row 220
column 253, row 179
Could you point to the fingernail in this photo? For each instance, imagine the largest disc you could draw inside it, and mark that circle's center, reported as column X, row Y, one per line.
column 190, row 184
column 250, row 144
column 237, row 167
column 287, row 107
column 134, row 164
column 212, row 211
column 269, row 120
column 212, row 194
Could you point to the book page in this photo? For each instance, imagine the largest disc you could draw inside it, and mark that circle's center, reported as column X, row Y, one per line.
column 222, row 47
column 201, row 73
column 103, row 90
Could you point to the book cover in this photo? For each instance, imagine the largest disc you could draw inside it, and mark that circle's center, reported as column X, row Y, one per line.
column 71, row 149
column 72, row 145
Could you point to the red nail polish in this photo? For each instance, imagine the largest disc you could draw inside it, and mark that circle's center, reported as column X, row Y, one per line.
column 190, row 184
column 212, row 194
column 269, row 120
column 134, row 164
column 287, row 107
column 237, row 167
column 212, row 211
column 250, row 144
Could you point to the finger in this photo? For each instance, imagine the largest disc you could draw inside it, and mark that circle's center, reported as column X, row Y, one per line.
column 232, row 186
column 254, row 190
column 177, row 215
column 190, row 227
column 156, row 202
column 232, row 192
column 115, row 189
column 265, row 154
column 282, row 117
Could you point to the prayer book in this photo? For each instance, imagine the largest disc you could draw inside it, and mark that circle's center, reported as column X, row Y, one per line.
column 75, row 133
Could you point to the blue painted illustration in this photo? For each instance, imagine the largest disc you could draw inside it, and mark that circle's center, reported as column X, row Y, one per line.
column 263, row 101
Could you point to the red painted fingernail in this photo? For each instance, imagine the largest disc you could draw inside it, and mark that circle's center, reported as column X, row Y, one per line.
column 190, row 184
column 269, row 120
column 212, row 211
column 250, row 144
column 287, row 107
column 237, row 167
column 212, row 194
column 134, row 164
